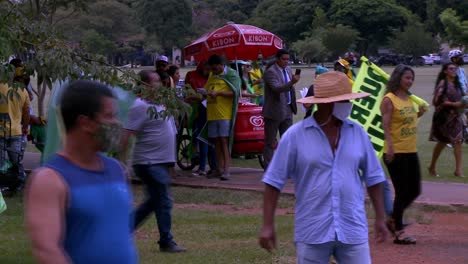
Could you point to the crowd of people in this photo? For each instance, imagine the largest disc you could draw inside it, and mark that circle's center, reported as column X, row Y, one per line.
column 78, row 206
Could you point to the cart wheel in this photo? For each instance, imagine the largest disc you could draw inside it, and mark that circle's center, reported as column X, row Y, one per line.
column 261, row 160
column 184, row 159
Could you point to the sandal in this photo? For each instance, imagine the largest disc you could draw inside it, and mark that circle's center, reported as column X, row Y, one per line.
column 402, row 239
column 459, row 175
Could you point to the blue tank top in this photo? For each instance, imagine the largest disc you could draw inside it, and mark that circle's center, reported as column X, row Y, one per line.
column 97, row 223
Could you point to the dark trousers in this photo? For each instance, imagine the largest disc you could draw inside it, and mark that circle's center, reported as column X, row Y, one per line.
column 271, row 131
column 159, row 200
column 405, row 173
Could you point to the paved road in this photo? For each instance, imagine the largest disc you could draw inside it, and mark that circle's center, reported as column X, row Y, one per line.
column 433, row 193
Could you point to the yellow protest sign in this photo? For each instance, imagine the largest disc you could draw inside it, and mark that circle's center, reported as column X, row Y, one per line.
column 366, row 111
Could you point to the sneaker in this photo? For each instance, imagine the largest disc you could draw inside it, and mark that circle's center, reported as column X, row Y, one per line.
column 171, row 247
column 449, row 145
column 199, row 173
column 225, row 176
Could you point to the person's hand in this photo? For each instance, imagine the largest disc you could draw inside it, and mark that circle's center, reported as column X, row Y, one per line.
column 295, row 78
column 212, row 93
column 267, row 238
column 422, row 110
column 259, row 81
column 390, row 154
column 380, row 230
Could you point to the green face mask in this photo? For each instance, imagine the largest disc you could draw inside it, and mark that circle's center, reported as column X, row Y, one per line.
column 109, row 135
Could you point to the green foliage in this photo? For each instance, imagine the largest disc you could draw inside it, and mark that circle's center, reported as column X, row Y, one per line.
column 96, row 43
column 455, row 28
column 287, row 18
column 310, row 49
column 375, row 20
column 339, row 39
column 414, row 40
column 51, row 58
column 170, row 20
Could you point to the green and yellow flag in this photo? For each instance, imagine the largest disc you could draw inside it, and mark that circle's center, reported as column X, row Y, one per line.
column 366, row 111
column 3, row 205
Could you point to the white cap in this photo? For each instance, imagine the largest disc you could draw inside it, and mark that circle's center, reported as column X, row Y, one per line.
column 162, row 58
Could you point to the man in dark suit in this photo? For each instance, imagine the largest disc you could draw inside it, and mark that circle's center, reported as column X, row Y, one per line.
column 280, row 101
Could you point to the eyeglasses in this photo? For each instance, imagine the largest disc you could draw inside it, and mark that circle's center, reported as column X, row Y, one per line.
column 452, row 68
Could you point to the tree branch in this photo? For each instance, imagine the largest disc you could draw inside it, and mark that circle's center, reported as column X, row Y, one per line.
column 64, row 17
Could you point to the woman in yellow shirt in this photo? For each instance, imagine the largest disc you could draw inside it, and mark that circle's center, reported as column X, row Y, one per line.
column 399, row 118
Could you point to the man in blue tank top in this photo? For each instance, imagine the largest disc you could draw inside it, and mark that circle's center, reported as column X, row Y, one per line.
column 78, row 206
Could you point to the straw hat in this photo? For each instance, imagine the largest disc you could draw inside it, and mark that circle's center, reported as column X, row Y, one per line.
column 331, row 87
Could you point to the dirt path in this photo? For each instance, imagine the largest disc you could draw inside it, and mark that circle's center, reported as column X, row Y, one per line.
column 442, row 237
column 443, row 240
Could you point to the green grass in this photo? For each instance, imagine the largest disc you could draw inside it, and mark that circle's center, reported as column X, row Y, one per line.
column 211, row 235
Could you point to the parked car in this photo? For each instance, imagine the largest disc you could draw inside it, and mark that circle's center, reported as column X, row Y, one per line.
column 388, row 59
column 427, row 60
column 435, row 58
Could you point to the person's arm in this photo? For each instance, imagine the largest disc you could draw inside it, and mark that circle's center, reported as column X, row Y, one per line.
column 276, row 84
column 223, row 94
column 267, row 239
column 247, row 94
column 35, row 120
column 25, row 115
column 45, row 205
column 376, row 195
column 387, row 109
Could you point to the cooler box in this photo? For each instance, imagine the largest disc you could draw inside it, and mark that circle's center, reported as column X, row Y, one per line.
column 248, row 130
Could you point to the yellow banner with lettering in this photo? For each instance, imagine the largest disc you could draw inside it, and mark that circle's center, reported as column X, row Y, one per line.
column 366, row 111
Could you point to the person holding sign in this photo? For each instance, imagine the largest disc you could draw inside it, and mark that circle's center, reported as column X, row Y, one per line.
column 399, row 119
column 447, row 122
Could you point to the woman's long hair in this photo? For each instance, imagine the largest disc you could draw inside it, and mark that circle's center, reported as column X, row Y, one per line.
column 394, row 83
column 442, row 76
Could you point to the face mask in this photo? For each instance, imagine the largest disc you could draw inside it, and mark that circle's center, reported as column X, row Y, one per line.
column 109, row 135
column 342, row 110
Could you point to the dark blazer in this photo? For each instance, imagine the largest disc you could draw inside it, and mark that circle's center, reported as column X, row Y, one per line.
column 275, row 105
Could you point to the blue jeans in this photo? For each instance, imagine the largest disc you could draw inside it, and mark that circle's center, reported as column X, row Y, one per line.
column 11, row 149
column 205, row 150
column 159, row 200
column 343, row 253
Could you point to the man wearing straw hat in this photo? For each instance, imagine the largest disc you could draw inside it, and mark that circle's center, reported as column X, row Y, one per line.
column 328, row 156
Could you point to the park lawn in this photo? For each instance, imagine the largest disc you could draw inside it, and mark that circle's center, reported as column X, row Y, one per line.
column 216, row 225
column 211, row 235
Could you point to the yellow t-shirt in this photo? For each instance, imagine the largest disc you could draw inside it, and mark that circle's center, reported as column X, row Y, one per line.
column 14, row 108
column 403, row 126
column 219, row 107
column 256, row 74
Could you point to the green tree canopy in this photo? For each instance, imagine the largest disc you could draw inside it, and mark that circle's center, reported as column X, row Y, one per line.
column 169, row 20
column 287, row 18
column 376, row 20
column 456, row 29
column 339, row 39
column 414, row 40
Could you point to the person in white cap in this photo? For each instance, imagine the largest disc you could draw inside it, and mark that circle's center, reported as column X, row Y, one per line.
column 328, row 157
column 162, row 65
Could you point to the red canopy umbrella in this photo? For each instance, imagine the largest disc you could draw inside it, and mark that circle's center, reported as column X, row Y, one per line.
column 235, row 42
